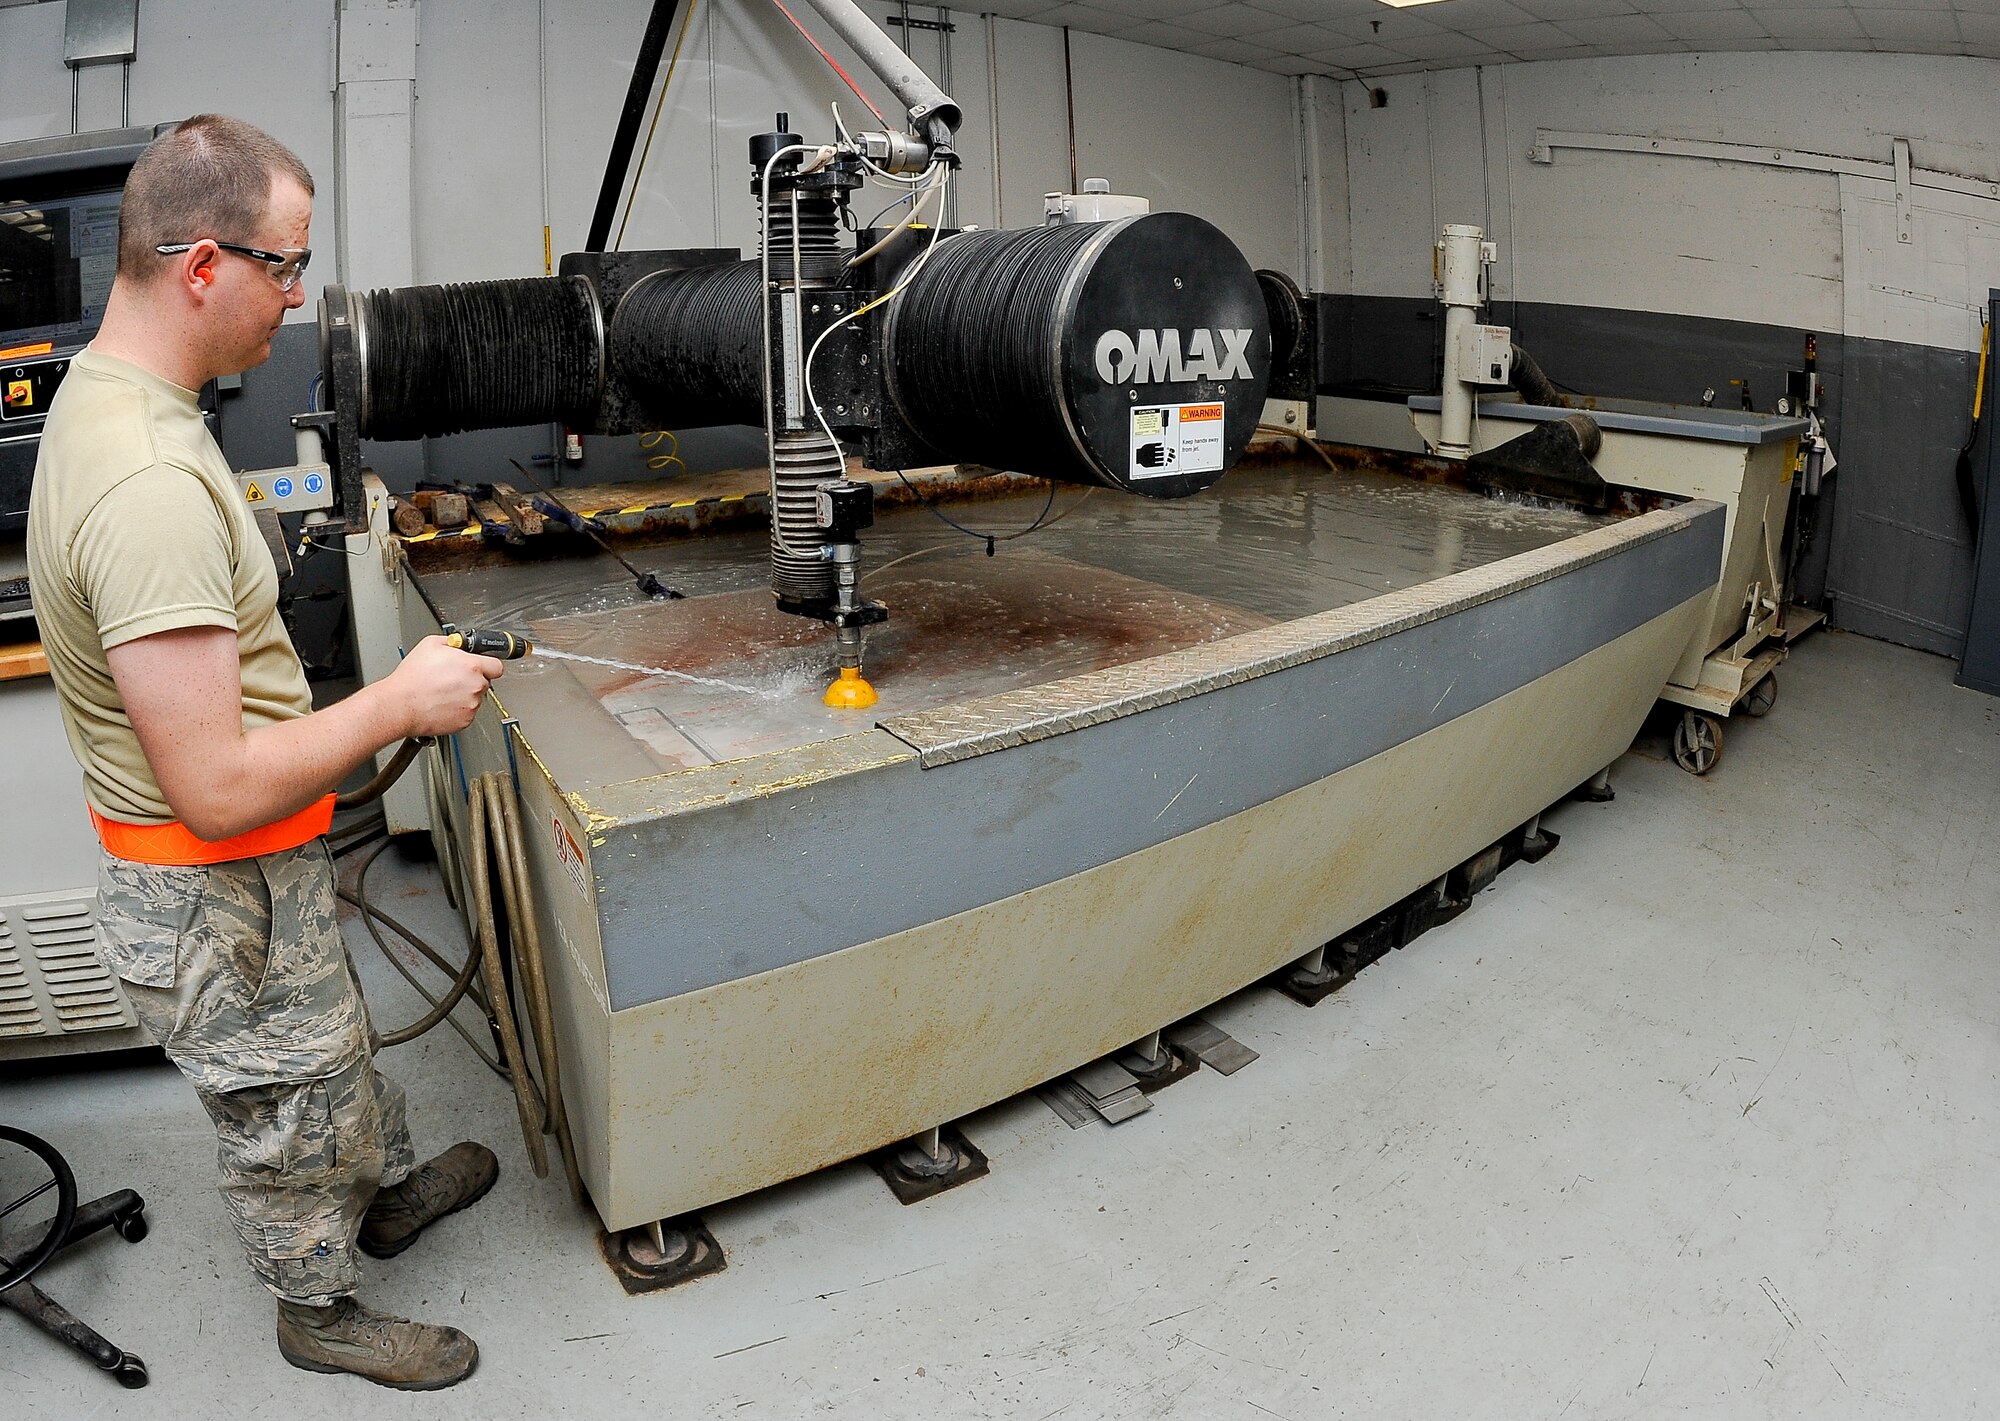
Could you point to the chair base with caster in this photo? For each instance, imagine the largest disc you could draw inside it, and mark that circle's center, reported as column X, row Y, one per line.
column 123, row 1211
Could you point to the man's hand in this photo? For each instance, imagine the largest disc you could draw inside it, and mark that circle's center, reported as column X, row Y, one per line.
column 441, row 688
column 183, row 691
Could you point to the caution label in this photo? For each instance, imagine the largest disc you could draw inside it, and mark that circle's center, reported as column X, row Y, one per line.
column 569, row 853
column 252, row 493
column 1176, row 439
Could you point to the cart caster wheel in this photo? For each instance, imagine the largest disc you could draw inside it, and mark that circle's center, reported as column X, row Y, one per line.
column 131, row 1227
column 1697, row 742
column 130, row 1371
column 1762, row 697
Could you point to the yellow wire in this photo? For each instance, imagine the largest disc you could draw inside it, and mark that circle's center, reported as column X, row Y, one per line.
column 651, row 440
column 687, row 23
column 1979, row 390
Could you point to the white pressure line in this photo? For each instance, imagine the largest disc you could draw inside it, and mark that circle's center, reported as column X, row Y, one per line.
column 944, row 176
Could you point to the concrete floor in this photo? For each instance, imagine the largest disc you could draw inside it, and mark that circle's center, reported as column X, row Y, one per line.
column 1699, row 1115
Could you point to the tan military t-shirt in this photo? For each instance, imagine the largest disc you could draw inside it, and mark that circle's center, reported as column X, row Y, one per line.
column 135, row 526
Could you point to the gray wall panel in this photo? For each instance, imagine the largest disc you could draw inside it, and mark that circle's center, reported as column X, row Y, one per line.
column 1890, row 553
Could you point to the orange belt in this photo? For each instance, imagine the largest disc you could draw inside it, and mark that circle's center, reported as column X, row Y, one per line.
column 177, row 845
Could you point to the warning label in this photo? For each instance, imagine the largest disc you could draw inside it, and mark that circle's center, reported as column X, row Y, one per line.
column 252, row 494
column 1176, row 439
column 569, row 853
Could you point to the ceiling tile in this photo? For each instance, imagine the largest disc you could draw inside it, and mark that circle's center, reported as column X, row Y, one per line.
column 1086, row 17
column 1512, row 39
column 1234, row 21
column 1982, row 30
column 1713, row 25
column 1806, row 29
column 1554, row 52
column 1164, row 34
column 1443, row 46
column 1297, row 64
column 1580, row 9
column 1150, row 9
column 1616, row 31
column 1019, row 9
column 1401, row 24
column 1333, row 12
column 1909, row 26
column 1234, row 51
column 1464, row 15
column 1304, row 39
column 1357, row 56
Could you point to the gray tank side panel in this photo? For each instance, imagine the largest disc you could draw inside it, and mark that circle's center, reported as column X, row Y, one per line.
column 695, row 899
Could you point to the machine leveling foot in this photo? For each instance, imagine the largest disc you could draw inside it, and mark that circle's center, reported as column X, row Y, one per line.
column 662, row 1254
column 1597, row 790
column 935, row 1161
column 1157, row 1063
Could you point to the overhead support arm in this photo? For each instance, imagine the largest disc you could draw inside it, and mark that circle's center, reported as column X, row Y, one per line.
column 651, row 47
column 934, row 115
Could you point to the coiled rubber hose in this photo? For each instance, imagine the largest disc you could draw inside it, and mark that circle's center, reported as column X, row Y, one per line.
column 504, row 932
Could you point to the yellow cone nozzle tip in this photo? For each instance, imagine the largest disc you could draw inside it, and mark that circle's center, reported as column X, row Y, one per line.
column 850, row 692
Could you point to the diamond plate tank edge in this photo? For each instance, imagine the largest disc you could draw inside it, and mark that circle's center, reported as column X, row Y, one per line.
column 953, row 733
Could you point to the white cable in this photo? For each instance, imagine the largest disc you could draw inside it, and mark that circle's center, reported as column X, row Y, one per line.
column 944, row 176
column 924, row 196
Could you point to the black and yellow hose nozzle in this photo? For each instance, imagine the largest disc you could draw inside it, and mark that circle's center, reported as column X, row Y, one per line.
column 504, row 645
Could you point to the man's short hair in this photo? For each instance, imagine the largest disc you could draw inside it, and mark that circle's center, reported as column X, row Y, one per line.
column 208, row 177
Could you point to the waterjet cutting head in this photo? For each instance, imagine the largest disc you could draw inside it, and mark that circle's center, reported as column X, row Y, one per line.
column 850, row 692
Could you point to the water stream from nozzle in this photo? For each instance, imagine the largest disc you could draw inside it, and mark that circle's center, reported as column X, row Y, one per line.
column 543, row 649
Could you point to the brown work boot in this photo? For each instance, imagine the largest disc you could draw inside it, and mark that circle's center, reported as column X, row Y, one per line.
column 454, row 1180
column 389, row 1351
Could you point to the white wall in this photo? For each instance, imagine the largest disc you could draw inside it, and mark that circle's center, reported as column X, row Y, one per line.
column 268, row 61
column 1192, row 134
column 1671, row 234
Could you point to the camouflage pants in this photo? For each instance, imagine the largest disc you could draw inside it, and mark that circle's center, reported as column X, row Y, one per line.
column 238, row 971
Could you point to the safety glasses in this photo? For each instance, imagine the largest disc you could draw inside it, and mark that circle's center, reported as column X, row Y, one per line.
column 287, row 267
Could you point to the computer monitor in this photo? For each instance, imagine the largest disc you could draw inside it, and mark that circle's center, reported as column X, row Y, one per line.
column 57, row 257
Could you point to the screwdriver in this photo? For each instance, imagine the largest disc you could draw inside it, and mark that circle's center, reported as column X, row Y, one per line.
column 504, row 645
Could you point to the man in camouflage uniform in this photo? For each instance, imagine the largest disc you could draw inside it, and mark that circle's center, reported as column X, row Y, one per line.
column 208, row 773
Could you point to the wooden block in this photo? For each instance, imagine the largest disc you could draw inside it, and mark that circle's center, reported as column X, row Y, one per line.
column 519, row 510
column 22, row 661
column 408, row 518
column 450, row 510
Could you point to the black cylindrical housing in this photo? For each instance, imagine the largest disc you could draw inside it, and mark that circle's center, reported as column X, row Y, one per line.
column 1132, row 354
column 690, row 346
column 482, row 355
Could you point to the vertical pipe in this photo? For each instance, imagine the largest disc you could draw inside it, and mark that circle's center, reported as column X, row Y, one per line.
column 1069, row 99
column 647, row 68
column 948, row 209
column 542, row 122
column 993, row 111
column 1459, row 269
